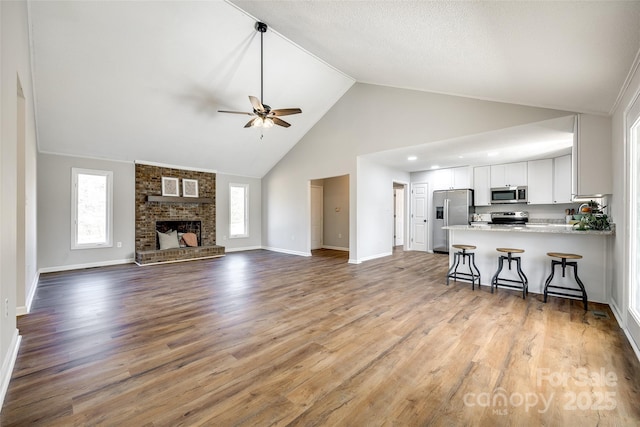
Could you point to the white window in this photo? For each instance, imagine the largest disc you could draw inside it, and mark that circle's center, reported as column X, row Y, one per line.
column 238, row 210
column 91, row 207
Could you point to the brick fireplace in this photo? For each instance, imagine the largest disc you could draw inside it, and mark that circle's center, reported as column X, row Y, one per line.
column 187, row 214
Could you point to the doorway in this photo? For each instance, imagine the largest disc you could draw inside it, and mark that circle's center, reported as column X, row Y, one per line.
column 329, row 210
column 399, row 214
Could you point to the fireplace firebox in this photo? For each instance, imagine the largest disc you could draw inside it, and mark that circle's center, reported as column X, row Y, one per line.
column 194, row 227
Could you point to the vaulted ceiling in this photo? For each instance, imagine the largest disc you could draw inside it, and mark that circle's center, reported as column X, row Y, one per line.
column 144, row 80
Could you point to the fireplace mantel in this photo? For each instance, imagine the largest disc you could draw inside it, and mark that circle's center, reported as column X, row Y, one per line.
column 174, row 199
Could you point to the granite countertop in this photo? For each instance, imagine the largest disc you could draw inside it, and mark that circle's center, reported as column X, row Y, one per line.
column 533, row 228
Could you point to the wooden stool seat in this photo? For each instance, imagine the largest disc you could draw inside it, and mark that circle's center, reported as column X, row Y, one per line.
column 512, row 250
column 462, row 254
column 521, row 283
column 549, row 289
column 563, row 255
column 465, row 247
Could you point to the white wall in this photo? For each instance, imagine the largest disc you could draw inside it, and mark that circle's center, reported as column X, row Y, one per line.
column 14, row 234
column 355, row 126
column 54, row 214
column 620, row 205
column 254, row 240
column 375, row 209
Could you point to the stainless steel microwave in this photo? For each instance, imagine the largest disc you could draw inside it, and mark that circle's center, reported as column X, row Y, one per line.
column 509, row 195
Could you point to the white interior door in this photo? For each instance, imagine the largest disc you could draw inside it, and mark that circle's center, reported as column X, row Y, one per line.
column 398, row 229
column 419, row 219
column 317, row 224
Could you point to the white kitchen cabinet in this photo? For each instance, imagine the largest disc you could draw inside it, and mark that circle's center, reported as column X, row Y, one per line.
column 592, row 151
column 482, row 185
column 509, row 174
column 449, row 178
column 562, row 180
column 461, row 177
column 540, row 181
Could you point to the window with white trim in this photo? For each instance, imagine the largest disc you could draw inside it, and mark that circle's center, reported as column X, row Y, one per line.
column 238, row 210
column 92, row 208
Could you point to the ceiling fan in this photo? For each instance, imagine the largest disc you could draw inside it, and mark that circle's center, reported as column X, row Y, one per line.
column 264, row 116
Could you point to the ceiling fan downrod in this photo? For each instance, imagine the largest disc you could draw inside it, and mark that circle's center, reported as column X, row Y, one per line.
column 261, row 27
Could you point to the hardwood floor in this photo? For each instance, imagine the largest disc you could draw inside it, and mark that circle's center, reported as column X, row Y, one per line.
column 261, row 338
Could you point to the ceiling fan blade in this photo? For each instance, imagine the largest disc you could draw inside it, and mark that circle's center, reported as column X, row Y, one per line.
column 279, row 122
column 257, row 105
column 286, row 111
column 235, row 112
column 250, row 123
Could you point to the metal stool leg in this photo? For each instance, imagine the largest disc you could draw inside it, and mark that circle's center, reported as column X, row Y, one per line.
column 550, row 278
column 525, row 281
column 584, row 292
column 494, row 280
column 477, row 272
column 454, row 266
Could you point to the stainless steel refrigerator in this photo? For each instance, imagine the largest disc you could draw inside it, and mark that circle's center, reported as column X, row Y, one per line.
column 452, row 207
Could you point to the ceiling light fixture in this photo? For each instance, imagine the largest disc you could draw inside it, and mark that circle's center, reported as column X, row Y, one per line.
column 264, row 116
column 435, row 167
column 412, row 158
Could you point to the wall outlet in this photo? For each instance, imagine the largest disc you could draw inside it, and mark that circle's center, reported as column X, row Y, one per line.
column 119, row 244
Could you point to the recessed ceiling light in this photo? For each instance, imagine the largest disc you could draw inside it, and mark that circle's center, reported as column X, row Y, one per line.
column 435, row 167
column 492, row 153
column 412, row 158
column 460, row 157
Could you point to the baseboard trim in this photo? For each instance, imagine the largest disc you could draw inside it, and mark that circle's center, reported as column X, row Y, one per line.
column 635, row 348
column 616, row 313
column 246, row 248
column 286, row 251
column 8, row 363
column 335, row 248
column 619, row 318
column 25, row 309
column 87, row 265
column 372, row 257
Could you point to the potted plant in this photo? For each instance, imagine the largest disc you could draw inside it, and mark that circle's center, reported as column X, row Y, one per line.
column 593, row 217
column 592, row 221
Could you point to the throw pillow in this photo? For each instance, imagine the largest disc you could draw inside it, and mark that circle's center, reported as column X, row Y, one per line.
column 168, row 240
column 190, row 239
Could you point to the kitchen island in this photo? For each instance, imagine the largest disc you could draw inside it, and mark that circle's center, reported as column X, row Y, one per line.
column 594, row 269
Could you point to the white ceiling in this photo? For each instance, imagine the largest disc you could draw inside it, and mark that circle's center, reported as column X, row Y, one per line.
column 144, row 80
column 565, row 55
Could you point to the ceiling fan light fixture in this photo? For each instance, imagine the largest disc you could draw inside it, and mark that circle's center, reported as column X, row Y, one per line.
column 257, row 122
column 267, row 123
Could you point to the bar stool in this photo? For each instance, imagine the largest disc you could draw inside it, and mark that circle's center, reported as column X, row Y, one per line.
column 462, row 253
column 523, row 282
column 564, row 263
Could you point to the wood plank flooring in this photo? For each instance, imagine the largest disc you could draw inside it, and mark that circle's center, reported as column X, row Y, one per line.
column 261, row 338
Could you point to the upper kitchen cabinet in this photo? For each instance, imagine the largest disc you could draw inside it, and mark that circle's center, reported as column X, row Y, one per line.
column 562, row 180
column 509, row 175
column 446, row 179
column 481, row 187
column 592, row 156
column 540, row 181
